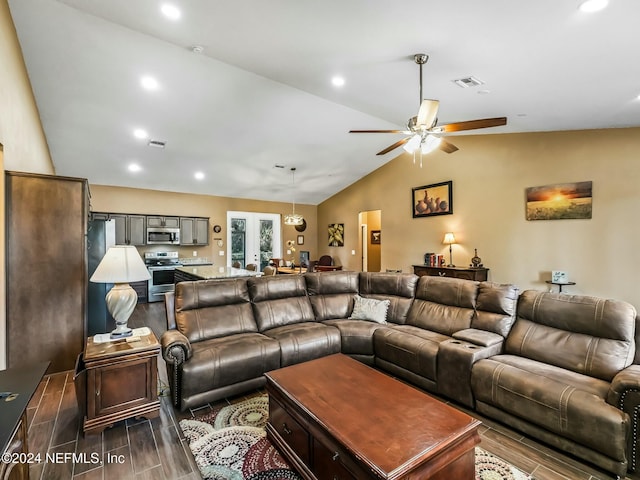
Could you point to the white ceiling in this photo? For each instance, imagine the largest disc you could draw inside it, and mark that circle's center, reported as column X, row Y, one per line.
column 260, row 93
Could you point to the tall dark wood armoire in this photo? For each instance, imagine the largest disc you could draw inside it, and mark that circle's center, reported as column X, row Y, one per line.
column 46, row 226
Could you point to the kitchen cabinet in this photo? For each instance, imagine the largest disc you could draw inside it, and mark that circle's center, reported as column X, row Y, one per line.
column 194, row 231
column 159, row 221
column 130, row 229
column 46, row 256
column 100, row 216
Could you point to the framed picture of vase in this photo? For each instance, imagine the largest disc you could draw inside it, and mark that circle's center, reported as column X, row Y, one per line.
column 434, row 199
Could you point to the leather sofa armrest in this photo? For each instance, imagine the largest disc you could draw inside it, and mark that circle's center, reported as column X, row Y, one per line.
column 624, row 394
column 478, row 337
column 176, row 348
column 455, row 361
column 170, row 309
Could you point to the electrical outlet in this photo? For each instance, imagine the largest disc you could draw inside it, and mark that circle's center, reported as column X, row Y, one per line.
column 195, row 254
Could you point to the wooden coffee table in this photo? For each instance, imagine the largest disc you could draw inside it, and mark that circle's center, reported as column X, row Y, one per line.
column 336, row 418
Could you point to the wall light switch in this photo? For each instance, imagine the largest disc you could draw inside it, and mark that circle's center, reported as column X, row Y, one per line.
column 195, row 254
column 353, row 252
column 221, row 253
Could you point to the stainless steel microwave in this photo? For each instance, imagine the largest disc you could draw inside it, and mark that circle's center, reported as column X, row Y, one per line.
column 163, row 236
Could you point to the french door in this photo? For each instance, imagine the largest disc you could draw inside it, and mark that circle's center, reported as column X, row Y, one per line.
column 253, row 238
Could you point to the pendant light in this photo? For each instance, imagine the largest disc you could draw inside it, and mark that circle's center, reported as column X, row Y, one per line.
column 293, row 218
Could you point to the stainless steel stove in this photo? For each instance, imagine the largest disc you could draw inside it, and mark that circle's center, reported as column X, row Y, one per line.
column 161, row 266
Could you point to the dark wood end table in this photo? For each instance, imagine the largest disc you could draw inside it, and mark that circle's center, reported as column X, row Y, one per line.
column 119, row 380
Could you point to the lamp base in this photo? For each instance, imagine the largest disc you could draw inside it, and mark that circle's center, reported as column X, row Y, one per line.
column 121, row 300
column 451, row 265
column 115, row 334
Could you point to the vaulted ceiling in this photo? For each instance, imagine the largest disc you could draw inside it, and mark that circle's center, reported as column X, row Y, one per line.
column 260, row 92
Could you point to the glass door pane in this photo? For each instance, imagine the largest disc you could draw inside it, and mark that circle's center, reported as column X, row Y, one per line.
column 266, row 242
column 238, row 242
column 253, row 238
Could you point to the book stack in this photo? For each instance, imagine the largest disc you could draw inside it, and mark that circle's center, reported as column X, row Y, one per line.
column 434, row 259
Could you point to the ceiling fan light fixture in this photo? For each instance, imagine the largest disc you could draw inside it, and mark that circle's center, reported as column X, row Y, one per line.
column 413, row 144
column 431, row 142
column 421, row 127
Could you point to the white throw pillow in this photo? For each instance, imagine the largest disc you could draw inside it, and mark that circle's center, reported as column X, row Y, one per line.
column 370, row 309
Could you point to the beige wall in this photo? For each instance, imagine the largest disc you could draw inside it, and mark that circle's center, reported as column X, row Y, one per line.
column 131, row 200
column 490, row 174
column 21, row 137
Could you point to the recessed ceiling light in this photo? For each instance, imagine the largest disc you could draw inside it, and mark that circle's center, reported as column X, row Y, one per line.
column 593, row 5
column 149, row 83
column 337, row 81
column 134, row 167
column 171, row 11
column 199, row 176
column 140, row 133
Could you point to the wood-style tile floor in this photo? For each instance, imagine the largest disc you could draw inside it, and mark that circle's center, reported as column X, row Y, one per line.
column 155, row 449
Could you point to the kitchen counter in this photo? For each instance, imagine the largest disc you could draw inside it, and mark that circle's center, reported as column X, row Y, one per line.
column 194, row 261
column 209, row 272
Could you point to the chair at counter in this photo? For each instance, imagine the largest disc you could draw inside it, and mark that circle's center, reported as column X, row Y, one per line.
column 325, row 264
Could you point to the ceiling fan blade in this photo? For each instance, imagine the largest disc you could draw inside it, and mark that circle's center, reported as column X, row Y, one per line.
column 394, row 146
column 473, row 124
column 377, row 131
column 427, row 113
column 447, row 146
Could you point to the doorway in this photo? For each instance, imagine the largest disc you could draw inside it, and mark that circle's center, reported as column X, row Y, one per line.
column 371, row 240
column 253, row 238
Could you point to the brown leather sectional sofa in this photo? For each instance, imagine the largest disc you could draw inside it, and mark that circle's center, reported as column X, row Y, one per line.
column 562, row 368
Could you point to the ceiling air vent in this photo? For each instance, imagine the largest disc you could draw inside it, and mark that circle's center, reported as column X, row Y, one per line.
column 468, row 82
column 157, row 143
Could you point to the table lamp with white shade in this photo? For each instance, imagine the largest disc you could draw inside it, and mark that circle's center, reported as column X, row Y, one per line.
column 120, row 265
column 449, row 239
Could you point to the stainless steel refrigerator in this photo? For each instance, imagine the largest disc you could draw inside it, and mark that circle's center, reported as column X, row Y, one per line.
column 101, row 235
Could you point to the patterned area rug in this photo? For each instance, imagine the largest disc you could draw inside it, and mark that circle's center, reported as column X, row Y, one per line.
column 231, row 444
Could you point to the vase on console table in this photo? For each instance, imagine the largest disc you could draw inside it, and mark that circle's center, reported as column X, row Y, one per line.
column 476, row 261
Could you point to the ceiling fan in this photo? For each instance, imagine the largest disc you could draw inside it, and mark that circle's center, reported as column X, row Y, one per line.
column 424, row 135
